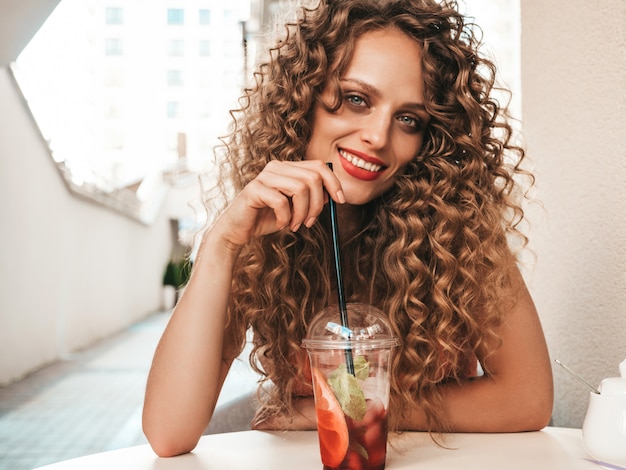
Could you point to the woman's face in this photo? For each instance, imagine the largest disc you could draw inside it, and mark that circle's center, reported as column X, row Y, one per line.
column 379, row 127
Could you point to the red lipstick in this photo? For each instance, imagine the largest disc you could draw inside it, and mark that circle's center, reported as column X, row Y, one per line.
column 357, row 172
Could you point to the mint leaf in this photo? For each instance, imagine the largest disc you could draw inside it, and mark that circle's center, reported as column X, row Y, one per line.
column 347, row 388
column 361, row 368
column 359, row 449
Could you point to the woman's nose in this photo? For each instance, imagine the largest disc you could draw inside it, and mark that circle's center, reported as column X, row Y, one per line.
column 376, row 129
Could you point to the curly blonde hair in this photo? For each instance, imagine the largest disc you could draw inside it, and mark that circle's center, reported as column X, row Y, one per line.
column 433, row 251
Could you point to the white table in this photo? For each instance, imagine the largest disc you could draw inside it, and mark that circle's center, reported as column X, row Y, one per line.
column 549, row 449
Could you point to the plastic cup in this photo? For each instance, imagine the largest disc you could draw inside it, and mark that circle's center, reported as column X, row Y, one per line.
column 351, row 409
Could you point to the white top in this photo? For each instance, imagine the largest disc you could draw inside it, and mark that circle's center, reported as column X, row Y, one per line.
column 549, row 449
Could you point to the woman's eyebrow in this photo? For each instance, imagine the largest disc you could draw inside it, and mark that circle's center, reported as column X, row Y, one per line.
column 366, row 86
column 377, row 93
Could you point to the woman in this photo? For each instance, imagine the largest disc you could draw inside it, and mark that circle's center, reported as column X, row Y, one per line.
column 396, row 96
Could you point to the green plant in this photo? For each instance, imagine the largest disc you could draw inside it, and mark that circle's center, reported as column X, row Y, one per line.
column 177, row 273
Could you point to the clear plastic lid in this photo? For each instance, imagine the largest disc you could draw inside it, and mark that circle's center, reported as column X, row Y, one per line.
column 368, row 327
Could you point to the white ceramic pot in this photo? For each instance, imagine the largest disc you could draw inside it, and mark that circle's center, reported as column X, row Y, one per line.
column 604, row 427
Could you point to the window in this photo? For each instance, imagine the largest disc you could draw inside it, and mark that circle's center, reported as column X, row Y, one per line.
column 204, row 48
column 176, row 48
column 173, row 109
column 174, row 78
column 230, row 16
column 113, row 15
column 204, row 16
column 113, row 46
column 175, row 16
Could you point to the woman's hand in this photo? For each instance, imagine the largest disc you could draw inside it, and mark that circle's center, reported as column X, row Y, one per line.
column 284, row 194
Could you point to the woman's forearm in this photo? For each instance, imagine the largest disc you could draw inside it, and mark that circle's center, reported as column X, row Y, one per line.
column 484, row 405
column 517, row 392
column 189, row 368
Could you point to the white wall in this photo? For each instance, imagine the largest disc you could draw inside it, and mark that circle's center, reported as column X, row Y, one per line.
column 71, row 272
column 574, row 117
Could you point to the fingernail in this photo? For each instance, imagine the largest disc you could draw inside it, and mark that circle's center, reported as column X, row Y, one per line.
column 310, row 221
column 341, row 197
column 295, row 228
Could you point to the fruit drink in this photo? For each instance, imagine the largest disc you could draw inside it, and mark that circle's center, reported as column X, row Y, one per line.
column 367, row 445
column 350, row 372
column 353, row 433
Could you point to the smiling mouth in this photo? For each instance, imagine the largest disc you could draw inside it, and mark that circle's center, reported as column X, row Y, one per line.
column 360, row 163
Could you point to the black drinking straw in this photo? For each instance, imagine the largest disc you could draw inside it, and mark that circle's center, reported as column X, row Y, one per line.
column 343, row 311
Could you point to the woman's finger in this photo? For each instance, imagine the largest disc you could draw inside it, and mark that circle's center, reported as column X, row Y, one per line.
column 306, row 184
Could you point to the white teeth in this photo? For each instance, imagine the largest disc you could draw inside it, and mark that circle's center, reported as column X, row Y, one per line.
column 359, row 162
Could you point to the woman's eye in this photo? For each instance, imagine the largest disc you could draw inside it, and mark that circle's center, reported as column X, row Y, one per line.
column 355, row 100
column 409, row 121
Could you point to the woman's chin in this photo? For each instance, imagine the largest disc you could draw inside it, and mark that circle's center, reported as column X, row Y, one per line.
column 358, row 198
